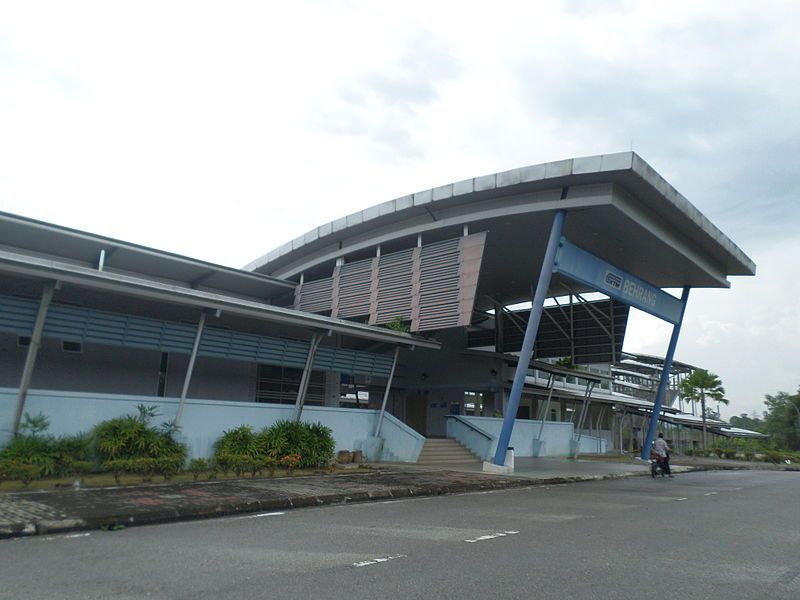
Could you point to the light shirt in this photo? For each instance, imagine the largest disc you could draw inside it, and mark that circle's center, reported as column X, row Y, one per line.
column 661, row 447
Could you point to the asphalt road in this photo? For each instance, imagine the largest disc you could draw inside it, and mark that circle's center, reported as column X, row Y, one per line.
column 713, row 535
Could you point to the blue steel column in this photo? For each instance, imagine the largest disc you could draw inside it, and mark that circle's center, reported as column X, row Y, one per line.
column 662, row 384
column 530, row 336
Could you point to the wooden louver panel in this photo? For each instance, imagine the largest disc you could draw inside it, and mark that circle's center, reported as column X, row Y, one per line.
column 431, row 286
column 394, row 288
column 314, row 296
column 354, row 289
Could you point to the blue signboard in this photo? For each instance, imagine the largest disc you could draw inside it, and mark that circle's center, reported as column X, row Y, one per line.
column 585, row 267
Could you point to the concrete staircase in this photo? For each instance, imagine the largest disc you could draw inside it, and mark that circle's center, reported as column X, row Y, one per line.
column 444, row 451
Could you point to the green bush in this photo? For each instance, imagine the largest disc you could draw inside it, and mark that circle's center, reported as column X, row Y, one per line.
column 117, row 467
column 15, row 470
column 774, row 456
column 242, row 451
column 313, row 442
column 198, row 466
column 33, row 450
column 80, row 467
column 52, row 456
column 241, row 441
column 131, row 437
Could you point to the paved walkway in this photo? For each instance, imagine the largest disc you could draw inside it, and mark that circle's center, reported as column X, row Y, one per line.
column 45, row 512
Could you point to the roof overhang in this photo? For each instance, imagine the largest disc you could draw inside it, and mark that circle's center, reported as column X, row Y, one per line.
column 618, row 207
column 46, row 240
column 48, row 269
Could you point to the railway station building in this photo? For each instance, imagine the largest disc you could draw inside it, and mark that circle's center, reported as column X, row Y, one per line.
column 490, row 312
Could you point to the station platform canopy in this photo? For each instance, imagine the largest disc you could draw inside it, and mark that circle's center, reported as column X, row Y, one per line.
column 619, row 209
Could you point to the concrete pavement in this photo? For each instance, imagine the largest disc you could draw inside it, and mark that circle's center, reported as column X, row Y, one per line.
column 45, row 512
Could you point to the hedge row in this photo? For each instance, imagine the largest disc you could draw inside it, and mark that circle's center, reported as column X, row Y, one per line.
column 131, row 445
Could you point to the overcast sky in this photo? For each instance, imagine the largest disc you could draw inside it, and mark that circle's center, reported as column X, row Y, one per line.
column 221, row 130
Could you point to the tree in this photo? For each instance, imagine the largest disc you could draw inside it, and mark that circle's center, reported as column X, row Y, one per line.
column 744, row 421
column 782, row 419
column 702, row 385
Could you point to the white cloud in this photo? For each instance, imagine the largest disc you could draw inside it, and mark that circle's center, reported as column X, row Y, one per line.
column 221, row 131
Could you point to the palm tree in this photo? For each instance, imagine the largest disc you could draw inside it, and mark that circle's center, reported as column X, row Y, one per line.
column 701, row 385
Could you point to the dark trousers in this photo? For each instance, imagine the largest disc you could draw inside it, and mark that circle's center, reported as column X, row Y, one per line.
column 665, row 465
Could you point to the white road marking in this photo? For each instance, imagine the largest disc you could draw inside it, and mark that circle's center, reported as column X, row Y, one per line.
column 375, row 561
column 51, row 538
column 271, row 514
column 491, row 536
column 680, row 499
column 710, row 494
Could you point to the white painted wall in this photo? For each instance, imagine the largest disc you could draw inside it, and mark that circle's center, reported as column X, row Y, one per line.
column 205, row 420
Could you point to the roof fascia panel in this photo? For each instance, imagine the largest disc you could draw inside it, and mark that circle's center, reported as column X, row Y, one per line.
column 457, row 214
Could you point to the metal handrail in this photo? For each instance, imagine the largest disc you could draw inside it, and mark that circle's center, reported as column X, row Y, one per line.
column 476, row 429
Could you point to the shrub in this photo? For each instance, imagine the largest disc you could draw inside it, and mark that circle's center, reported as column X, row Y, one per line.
column 117, row 467
column 314, row 443
column 73, row 448
column 130, row 444
column 238, row 463
column 241, row 441
column 269, row 462
column 146, row 467
column 51, row 456
column 242, row 451
column 198, row 466
column 322, row 447
column 80, row 467
column 774, row 457
column 291, row 461
column 34, row 425
column 14, row 470
column 34, row 450
column 169, row 466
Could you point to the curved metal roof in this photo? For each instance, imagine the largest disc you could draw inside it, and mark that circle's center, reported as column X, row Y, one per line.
column 619, row 207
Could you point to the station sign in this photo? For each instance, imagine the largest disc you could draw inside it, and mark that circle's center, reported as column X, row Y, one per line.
column 584, row 267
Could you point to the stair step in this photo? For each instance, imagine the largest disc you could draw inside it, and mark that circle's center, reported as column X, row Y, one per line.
column 444, row 451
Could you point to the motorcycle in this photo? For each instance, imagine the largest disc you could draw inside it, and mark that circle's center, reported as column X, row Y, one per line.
column 657, row 465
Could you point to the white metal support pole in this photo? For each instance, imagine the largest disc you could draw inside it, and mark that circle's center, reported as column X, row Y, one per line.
column 187, row 380
column 546, row 411
column 301, row 393
column 386, row 393
column 587, row 400
column 33, row 351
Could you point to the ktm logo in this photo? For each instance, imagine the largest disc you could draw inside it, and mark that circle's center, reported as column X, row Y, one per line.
column 614, row 280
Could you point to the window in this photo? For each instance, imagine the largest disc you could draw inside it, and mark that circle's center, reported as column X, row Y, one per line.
column 23, row 341
column 71, row 346
column 280, row 385
column 162, row 375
